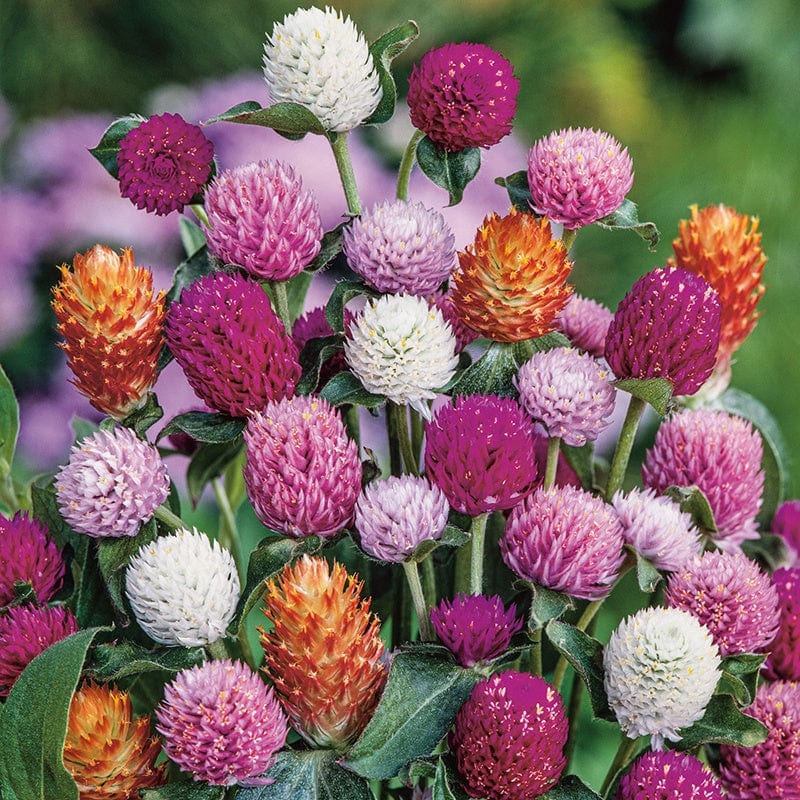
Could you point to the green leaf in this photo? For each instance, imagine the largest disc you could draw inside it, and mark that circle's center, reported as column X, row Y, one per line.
column 205, row 426
column 330, row 247
column 722, row 723
column 492, row 373
column 112, row 662
column 9, row 420
column 740, row 674
column 185, row 791
column 570, row 787
column 445, row 784
column 208, row 462
column 343, row 292
column 197, row 266
column 451, row 537
column 142, row 419
column 581, row 459
column 626, row 217
column 90, row 600
column 289, row 119
column 518, row 190
column 546, row 604
column 312, row 357
column 45, row 509
column 451, row 171
column 647, row 576
column 692, row 501
column 527, row 348
column 296, row 291
column 345, row 389
column 192, row 237
column 383, row 50
column 655, row 391
column 108, row 146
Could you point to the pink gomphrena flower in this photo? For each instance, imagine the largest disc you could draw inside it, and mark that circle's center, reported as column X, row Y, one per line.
column 479, row 451
column 28, row 555
column 770, row 769
column 669, row 774
column 303, row 474
column 666, row 326
column 164, row 163
column 112, row 484
column 732, row 597
column 264, row 220
column 463, row 95
column 230, row 344
column 564, row 539
column 475, row 628
column 578, row 176
column 509, row 737
column 784, row 659
column 222, row 724
column 786, row 524
column 721, row 455
column 463, row 333
column 314, row 325
column 585, row 323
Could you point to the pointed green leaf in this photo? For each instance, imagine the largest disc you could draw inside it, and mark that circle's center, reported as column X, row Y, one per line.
column 188, row 271
column 626, row 217
column 740, row 674
column 9, row 420
column 330, row 247
column 383, row 50
column 185, row 791
column 108, row 146
column 445, row 783
column 527, row 348
column 142, row 419
column 722, row 723
column 345, row 389
column 343, row 292
column 492, row 373
column 692, row 501
column 289, row 119
column 208, row 462
column 519, row 192
column 205, row 426
column 112, row 662
column 647, row 576
column 192, row 237
column 655, row 391
column 451, row 171
column 570, row 787
column 312, row 357
column 546, row 604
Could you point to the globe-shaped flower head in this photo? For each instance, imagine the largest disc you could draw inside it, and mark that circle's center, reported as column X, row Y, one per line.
column 585, row 323
column 658, row 775
column 786, row 524
column 784, row 657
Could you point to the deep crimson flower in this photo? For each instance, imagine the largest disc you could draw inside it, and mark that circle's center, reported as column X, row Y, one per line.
column 663, row 774
column 786, row 524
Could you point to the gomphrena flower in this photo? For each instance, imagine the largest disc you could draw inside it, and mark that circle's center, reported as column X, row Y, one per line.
column 28, row 555
column 230, row 344
column 163, row 163
column 784, row 659
column 263, row 219
column 324, row 654
column 732, row 597
column 395, row 515
column 319, row 60
column 110, row 754
column 585, row 323
column 398, row 246
column 721, row 455
column 578, row 176
column 666, row 326
column 112, row 484
column 474, row 627
column 222, row 724
column 510, row 282
column 479, row 452
column 565, row 539
column 401, row 347
column 509, row 737
column 568, row 392
column 661, row 669
column 463, row 95
column 786, row 524
column 183, row 589
column 303, row 474
column 26, row 631
column 112, row 324
column 669, row 774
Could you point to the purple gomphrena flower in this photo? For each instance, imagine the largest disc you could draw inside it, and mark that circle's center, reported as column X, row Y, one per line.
column 463, row 95
column 314, row 325
column 395, row 515
column 786, row 524
column 28, row 555
column 666, row 326
column 303, row 475
column 771, row 769
column 463, row 333
column 578, row 176
column 163, row 163
column 479, row 451
column 26, row 631
column 509, row 737
column 732, row 597
column 669, row 774
column 784, row 659
column 475, row 628
column 721, row 455
column 222, row 724
column 232, row 347
column 569, row 392
column 264, row 220
column 112, row 484
column 398, row 246
column 585, row 323
column 564, row 539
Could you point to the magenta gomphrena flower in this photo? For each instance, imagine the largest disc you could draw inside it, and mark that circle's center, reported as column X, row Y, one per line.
column 784, row 658
column 578, row 176
column 655, row 527
column 479, row 452
column 264, row 220
column 786, row 524
column 28, row 555
column 222, row 724
column 658, row 775
column 474, row 627
column 112, row 484
column 164, row 163
column 303, row 474
column 585, row 323
column 230, row 344
column 463, row 333
column 568, row 392
column 721, row 455
column 395, row 515
column 564, row 539
column 463, row 95
column 398, row 246
column 508, row 738
column 666, row 326
column 26, row 631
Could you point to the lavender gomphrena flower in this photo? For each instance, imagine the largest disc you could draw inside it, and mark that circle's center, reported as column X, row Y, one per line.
column 661, row 668
column 222, row 724
column 784, row 658
column 721, row 455
column 509, row 737
column 666, row 326
column 475, row 628
column 585, row 323
column 565, row 539
column 786, row 524
column 303, row 474
column 183, row 589
column 663, row 774
column 112, row 484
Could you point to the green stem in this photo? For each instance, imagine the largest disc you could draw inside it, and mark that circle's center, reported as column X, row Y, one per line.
column 407, row 165
column 622, row 454
column 568, row 237
column 281, row 297
column 581, row 625
column 417, row 595
column 573, row 715
column 429, row 581
column 399, row 428
column 623, row 756
column 200, row 213
column 462, row 568
column 163, row 514
column 219, row 650
column 417, row 433
column 536, row 652
column 346, row 174
column 228, row 532
column 476, row 557
column 553, row 446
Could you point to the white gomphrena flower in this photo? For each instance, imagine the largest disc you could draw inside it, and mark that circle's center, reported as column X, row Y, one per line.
column 661, row 669
column 401, row 347
column 183, row 589
column 319, row 60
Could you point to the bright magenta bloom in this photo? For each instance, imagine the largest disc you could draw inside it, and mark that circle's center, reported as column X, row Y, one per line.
column 786, row 524
column 784, row 659
column 668, row 774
